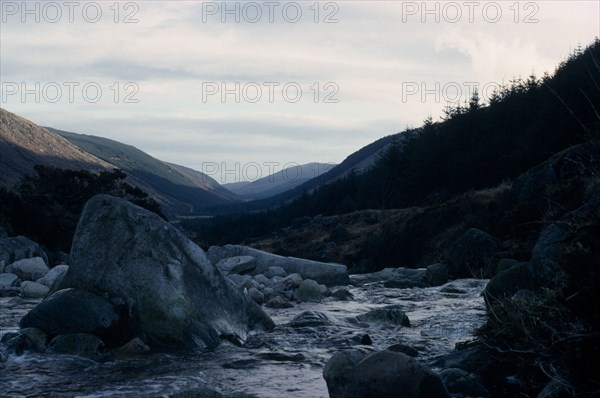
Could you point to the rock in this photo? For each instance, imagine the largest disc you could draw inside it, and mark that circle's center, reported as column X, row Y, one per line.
column 290, row 282
column 29, row 269
column 458, row 381
column 507, row 283
column 505, row 264
column 383, row 374
column 436, row 274
column 366, row 340
column 310, row 319
column 308, row 291
column 133, row 347
column 18, row 248
column 470, row 253
column 79, row 344
column 177, row 296
column 391, row 315
column 410, row 275
column 71, row 311
column 9, row 280
column 241, row 281
column 544, row 264
column 268, row 293
column 54, row 273
column 237, row 265
column 275, row 271
column 327, row 273
column 278, row 302
column 342, row 294
column 16, row 342
column 263, row 280
column 25, row 339
column 256, row 295
column 33, row 290
column 37, row 337
column 3, row 233
column 405, row 349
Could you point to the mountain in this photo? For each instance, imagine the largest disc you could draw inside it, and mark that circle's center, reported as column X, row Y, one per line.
column 179, row 190
column 23, row 145
column 278, row 182
column 359, row 162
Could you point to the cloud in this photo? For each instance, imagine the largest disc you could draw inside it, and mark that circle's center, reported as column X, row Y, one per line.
column 371, row 54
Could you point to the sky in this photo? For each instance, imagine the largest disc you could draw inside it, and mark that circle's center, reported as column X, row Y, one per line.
column 225, row 86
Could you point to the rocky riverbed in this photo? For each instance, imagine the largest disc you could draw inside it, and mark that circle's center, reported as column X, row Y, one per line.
column 288, row 361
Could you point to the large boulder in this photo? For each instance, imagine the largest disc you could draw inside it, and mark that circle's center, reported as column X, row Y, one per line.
column 175, row 294
column 508, row 282
column 383, row 374
column 390, row 315
column 75, row 311
column 327, row 273
column 18, row 248
column 79, row 344
column 29, row 269
column 33, row 290
column 53, row 274
column 470, row 253
column 237, row 265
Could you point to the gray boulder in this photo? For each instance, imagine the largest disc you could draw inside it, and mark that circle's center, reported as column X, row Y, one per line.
column 383, row 374
column 237, row 265
column 53, row 274
column 37, row 337
column 263, row 280
column 177, row 296
column 308, row 291
column 508, row 282
column 436, row 274
column 9, row 280
column 327, row 273
column 390, row 315
column 29, row 269
column 275, row 271
column 79, row 344
column 18, row 248
column 256, row 295
column 470, row 253
column 74, row 311
column 290, row 282
column 33, row 290
column 310, row 319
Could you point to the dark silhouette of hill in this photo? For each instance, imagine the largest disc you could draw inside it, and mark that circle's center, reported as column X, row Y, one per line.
column 179, row 190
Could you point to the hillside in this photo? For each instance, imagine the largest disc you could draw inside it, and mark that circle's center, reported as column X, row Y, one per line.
column 278, row 182
column 23, row 145
column 179, row 190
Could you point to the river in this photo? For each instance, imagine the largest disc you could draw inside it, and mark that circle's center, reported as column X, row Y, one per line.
column 287, row 362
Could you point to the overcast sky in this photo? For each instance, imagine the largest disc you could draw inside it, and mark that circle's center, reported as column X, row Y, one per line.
column 202, row 83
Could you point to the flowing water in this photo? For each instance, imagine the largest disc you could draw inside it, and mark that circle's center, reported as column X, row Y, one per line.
column 287, row 362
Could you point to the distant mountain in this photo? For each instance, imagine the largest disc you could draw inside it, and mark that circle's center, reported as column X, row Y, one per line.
column 23, row 144
column 179, row 190
column 279, row 182
column 359, row 161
